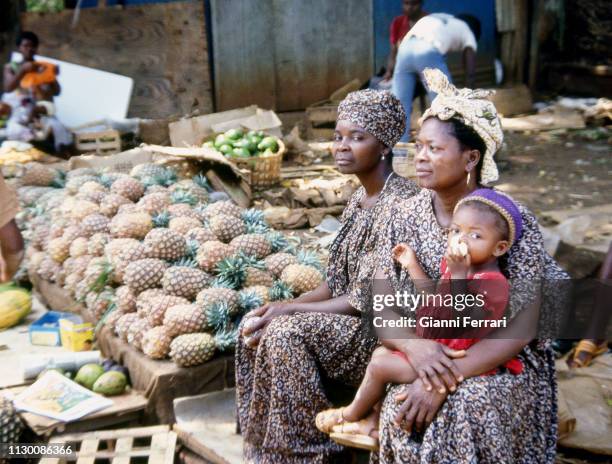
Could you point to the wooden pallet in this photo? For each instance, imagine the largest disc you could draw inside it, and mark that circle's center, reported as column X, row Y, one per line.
column 321, row 118
column 154, row 444
column 105, row 142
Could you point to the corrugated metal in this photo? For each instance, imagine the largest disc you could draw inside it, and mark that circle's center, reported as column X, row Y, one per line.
column 484, row 10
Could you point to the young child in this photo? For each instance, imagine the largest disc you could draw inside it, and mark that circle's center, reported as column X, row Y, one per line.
column 484, row 226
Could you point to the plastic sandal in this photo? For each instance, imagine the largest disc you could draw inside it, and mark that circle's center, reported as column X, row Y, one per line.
column 323, row 420
column 589, row 348
column 342, row 435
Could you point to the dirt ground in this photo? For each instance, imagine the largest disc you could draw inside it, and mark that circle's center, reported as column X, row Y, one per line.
column 558, row 170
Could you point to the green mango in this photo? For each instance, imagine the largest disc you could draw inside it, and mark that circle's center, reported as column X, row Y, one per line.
column 258, row 134
column 226, row 149
column 88, row 374
column 110, row 383
column 241, row 152
column 209, row 144
column 268, row 143
column 234, row 134
column 221, row 139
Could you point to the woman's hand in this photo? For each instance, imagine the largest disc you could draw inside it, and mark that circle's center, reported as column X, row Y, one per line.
column 264, row 315
column 434, row 364
column 420, row 406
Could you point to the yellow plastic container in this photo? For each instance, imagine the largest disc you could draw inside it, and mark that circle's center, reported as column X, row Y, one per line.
column 76, row 336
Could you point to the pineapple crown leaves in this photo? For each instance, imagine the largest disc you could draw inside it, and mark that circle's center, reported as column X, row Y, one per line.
column 253, row 216
column 249, row 300
column 201, row 181
column 309, row 258
column 107, row 180
column 161, row 219
column 185, row 262
column 183, row 196
column 221, row 282
column 60, row 180
column 106, row 273
column 226, row 339
column 165, row 178
column 280, row 291
column 277, row 240
column 250, row 261
column 218, row 315
column 232, row 271
column 192, row 248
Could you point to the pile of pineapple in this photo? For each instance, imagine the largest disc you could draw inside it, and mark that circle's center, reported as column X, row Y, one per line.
column 167, row 264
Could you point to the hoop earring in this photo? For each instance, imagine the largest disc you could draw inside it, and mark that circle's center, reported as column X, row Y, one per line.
column 468, row 178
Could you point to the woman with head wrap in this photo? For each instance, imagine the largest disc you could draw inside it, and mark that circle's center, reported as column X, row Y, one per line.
column 488, row 419
column 291, row 347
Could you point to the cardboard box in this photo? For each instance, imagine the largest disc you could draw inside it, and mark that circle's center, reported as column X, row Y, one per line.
column 75, row 334
column 192, row 131
column 46, row 331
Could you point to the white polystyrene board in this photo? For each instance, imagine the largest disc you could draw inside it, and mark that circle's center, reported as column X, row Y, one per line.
column 89, row 94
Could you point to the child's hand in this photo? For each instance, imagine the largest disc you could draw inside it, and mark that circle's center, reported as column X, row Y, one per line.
column 404, row 255
column 458, row 260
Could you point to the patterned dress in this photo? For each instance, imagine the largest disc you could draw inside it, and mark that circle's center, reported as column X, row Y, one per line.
column 280, row 383
column 501, row 418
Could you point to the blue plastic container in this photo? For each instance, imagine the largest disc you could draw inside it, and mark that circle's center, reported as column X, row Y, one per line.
column 46, row 330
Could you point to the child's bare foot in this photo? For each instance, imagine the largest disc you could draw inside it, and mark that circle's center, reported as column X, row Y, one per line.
column 328, row 419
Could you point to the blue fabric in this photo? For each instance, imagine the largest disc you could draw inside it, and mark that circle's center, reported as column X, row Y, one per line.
column 413, row 56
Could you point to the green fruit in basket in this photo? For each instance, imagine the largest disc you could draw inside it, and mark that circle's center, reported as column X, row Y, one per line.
column 268, row 143
column 234, row 134
column 226, row 149
column 268, row 152
column 209, row 144
column 220, row 140
column 110, row 383
column 241, row 152
column 88, row 375
column 254, row 133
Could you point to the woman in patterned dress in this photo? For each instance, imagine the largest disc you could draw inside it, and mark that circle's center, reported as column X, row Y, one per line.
column 501, row 418
column 317, row 337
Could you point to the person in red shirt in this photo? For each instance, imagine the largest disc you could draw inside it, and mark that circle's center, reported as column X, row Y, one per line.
column 413, row 11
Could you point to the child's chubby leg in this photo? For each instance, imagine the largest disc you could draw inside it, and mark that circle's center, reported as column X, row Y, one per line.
column 385, row 367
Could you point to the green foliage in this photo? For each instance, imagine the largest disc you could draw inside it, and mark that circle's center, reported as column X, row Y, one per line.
column 249, row 300
column 226, row 339
column 280, row 291
column 183, row 196
column 309, row 258
column 201, row 181
column 218, row 315
column 161, row 219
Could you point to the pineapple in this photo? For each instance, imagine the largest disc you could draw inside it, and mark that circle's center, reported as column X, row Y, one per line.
column 96, row 244
column 257, row 277
column 59, row 249
column 128, row 187
column 136, row 331
column 158, row 306
column 123, row 325
column 145, row 299
column 225, row 207
column 226, row 339
column 111, row 203
column 165, row 244
column 73, row 232
column 129, row 208
column 125, row 300
column 79, row 247
column 95, row 224
column 147, row 170
column 80, row 209
column 184, row 319
column 161, row 220
column 211, row 253
column 71, row 281
column 115, row 246
column 144, row 274
column 183, row 210
column 91, row 186
column 111, row 320
column 11, row 426
column 280, row 292
column 210, row 296
column 154, row 203
column 183, row 224
column 200, row 234
column 301, row 278
column 179, row 196
column 134, row 225
column 252, row 245
column 192, row 349
column 255, row 221
column 94, row 197
column 226, row 227
column 128, row 254
column 38, row 174
column 164, row 178
column 156, row 189
column 74, row 183
column 277, row 262
column 155, row 342
column 99, row 303
column 79, row 172
column 185, row 281
column 98, row 274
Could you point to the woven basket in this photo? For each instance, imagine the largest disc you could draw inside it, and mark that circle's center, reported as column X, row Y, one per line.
column 265, row 171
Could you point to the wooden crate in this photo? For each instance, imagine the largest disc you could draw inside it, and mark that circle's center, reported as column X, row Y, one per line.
column 105, row 142
column 154, row 444
column 321, row 120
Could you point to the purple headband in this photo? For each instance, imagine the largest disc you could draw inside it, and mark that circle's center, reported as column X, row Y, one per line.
column 503, row 205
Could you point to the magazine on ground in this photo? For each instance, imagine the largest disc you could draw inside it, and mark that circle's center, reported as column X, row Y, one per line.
column 58, row 397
